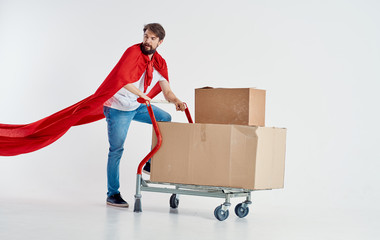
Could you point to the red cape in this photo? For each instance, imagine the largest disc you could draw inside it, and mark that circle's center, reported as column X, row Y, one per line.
column 18, row 139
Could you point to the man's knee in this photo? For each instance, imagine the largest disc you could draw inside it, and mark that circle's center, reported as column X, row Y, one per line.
column 166, row 118
column 115, row 151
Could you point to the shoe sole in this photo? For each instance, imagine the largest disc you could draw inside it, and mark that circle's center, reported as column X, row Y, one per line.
column 118, row 205
column 146, row 172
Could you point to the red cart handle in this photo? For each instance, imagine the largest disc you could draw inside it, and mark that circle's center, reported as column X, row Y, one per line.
column 157, row 131
column 187, row 112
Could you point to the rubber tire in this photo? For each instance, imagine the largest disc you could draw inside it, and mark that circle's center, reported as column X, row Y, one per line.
column 241, row 211
column 174, row 201
column 220, row 214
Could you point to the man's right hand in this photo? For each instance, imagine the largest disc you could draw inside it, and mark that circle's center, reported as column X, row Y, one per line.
column 133, row 89
column 145, row 97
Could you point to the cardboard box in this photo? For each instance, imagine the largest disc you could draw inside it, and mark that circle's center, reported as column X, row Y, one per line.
column 232, row 156
column 243, row 106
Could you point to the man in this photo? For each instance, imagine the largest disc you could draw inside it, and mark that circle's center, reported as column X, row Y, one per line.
column 123, row 107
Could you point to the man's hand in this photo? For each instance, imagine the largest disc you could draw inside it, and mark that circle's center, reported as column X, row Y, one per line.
column 180, row 106
column 130, row 87
column 169, row 96
column 145, row 97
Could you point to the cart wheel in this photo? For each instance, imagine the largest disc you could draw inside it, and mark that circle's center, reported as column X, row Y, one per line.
column 220, row 214
column 174, row 201
column 241, row 211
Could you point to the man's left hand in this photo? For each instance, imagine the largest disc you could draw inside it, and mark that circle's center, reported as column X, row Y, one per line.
column 180, row 106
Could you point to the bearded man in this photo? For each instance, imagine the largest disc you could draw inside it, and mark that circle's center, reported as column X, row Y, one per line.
column 123, row 107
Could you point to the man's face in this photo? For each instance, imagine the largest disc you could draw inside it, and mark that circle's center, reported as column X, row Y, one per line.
column 150, row 42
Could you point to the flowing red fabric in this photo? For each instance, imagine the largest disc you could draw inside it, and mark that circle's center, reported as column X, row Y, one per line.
column 19, row 139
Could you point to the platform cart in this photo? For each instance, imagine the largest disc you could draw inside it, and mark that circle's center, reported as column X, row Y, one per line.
column 221, row 212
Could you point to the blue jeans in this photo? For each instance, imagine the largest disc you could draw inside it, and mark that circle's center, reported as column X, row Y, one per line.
column 118, row 124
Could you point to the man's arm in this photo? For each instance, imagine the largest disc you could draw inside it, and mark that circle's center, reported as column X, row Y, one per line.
column 133, row 89
column 169, row 95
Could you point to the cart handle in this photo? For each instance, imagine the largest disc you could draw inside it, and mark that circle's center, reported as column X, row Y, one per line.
column 157, row 131
column 187, row 112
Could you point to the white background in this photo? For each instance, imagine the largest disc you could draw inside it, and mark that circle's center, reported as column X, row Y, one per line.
column 318, row 60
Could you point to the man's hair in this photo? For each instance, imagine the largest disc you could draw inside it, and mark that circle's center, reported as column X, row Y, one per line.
column 156, row 28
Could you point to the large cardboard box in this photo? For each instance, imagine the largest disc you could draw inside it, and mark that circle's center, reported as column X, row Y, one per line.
column 234, row 156
column 244, row 106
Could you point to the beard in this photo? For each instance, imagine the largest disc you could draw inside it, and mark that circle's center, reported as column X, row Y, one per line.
column 147, row 52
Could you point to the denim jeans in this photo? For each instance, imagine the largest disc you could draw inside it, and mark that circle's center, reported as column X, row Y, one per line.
column 118, row 124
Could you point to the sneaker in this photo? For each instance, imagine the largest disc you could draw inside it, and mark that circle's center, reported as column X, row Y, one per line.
column 146, row 168
column 117, row 201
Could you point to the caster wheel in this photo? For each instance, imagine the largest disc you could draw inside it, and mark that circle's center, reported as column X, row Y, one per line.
column 174, row 201
column 220, row 214
column 241, row 211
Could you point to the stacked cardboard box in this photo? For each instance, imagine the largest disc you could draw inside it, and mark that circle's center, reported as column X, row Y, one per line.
column 228, row 146
column 243, row 106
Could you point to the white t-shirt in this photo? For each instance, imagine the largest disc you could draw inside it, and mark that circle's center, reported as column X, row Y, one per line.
column 124, row 100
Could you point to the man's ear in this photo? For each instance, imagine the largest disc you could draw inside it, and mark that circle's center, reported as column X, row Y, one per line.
column 159, row 43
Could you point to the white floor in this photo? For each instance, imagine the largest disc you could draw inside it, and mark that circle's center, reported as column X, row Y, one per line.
column 25, row 218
